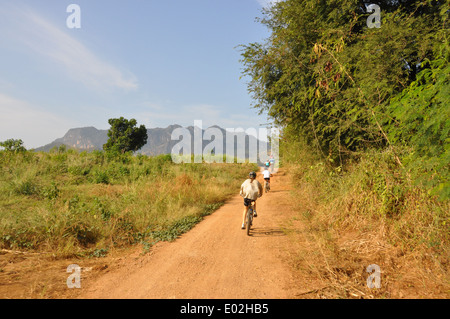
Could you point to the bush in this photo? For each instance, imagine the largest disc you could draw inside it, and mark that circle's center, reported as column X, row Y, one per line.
column 100, row 177
column 84, row 233
column 78, row 170
column 51, row 192
column 26, row 187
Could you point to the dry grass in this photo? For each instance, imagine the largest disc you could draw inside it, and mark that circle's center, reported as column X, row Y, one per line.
column 87, row 204
column 363, row 216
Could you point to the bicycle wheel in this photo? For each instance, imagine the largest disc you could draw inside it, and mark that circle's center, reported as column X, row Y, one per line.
column 249, row 220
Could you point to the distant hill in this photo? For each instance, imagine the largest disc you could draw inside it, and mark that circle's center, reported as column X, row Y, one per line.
column 83, row 139
column 159, row 140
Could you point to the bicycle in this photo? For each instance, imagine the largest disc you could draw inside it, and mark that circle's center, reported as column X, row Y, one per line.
column 249, row 218
column 266, row 186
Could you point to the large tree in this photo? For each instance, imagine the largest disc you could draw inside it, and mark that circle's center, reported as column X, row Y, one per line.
column 124, row 136
column 325, row 75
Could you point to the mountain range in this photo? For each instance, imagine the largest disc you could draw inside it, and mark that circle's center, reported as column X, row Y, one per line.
column 159, row 140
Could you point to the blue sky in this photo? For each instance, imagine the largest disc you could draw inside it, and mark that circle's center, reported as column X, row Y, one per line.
column 160, row 62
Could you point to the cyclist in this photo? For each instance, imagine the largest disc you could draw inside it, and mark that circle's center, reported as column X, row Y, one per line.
column 251, row 189
column 266, row 175
column 271, row 163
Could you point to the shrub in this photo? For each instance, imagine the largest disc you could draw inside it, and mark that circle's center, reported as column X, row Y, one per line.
column 26, row 187
column 50, row 192
column 100, row 177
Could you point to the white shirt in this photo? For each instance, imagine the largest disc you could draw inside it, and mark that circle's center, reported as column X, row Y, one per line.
column 266, row 174
column 251, row 190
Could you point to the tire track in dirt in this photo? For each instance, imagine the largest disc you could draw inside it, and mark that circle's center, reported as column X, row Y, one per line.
column 216, row 259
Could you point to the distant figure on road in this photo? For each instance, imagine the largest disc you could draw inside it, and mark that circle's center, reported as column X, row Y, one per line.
column 266, row 175
column 272, row 163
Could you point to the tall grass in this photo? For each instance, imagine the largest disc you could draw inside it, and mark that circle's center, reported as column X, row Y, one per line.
column 86, row 203
column 371, row 192
column 370, row 211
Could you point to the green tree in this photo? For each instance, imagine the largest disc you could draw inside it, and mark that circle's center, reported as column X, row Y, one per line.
column 124, row 136
column 13, row 145
column 323, row 74
column 420, row 121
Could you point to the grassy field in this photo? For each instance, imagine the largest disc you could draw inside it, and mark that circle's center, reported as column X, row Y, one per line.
column 84, row 204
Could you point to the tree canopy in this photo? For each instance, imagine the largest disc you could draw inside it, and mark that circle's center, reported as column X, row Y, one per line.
column 323, row 74
column 13, row 145
column 124, row 136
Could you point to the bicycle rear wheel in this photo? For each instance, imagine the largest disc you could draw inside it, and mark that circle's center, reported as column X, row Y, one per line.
column 249, row 220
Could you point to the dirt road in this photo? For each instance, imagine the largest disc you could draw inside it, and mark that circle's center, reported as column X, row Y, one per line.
column 216, row 259
column 282, row 259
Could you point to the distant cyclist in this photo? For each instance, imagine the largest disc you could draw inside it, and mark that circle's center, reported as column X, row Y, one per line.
column 251, row 189
column 271, row 163
column 266, row 175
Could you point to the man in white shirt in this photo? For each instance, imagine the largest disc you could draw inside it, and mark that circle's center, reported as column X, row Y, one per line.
column 251, row 189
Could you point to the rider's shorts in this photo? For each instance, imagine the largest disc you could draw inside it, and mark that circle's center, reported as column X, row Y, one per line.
column 267, row 179
column 248, row 202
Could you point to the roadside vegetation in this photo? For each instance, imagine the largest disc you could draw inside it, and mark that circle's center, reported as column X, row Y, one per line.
column 85, row 204
column 370, row 212
column 365, row 120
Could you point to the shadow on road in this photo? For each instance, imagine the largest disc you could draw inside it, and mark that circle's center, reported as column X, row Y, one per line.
column 266, row 232
column 276, row 191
